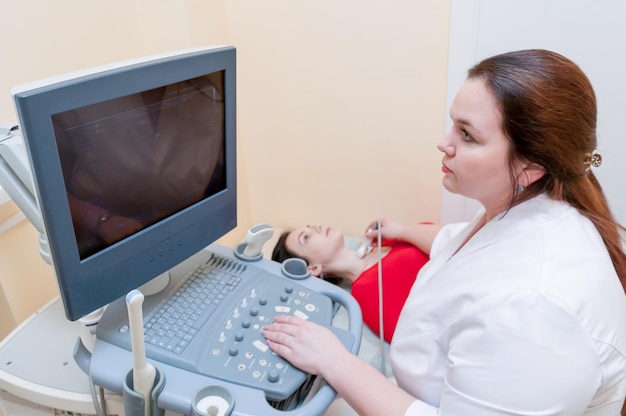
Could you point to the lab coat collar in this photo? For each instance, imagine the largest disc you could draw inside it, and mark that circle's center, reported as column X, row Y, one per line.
column 516, row 219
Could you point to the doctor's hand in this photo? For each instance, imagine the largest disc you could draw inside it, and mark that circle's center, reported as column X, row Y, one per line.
column 306, row 345
column 389, row 230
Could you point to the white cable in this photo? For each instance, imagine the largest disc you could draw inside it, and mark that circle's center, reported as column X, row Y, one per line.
column 94, row 397
column 381, row 325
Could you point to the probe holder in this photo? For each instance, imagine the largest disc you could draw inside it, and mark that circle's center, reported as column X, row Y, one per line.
column 135, row 403
column 239, row 253
column 213, row 401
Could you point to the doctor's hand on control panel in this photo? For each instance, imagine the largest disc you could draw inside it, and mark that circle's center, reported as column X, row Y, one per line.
column 522, row 310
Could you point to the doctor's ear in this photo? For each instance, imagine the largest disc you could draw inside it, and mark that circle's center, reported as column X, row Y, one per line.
column 530, row 173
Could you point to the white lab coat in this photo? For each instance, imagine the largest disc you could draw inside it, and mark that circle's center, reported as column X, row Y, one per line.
column 528, row 318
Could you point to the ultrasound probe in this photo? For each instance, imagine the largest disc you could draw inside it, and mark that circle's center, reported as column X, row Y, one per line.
column 144, row 373
column 255, row 238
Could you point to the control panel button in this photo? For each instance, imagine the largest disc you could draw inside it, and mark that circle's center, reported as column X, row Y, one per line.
column 273, row 376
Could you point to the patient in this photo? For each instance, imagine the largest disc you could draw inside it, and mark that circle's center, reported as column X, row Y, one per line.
column 328, row 257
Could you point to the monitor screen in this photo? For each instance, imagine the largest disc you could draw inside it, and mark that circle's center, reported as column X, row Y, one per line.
column 134, row 167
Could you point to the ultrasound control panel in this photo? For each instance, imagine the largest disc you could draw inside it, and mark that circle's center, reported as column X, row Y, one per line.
column 203, row 333
column 240, row 350
column 210, row 321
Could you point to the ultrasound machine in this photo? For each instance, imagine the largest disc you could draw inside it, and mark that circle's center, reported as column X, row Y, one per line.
column 130, row 179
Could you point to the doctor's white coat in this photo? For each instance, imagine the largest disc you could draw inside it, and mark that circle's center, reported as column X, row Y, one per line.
column 528, row 318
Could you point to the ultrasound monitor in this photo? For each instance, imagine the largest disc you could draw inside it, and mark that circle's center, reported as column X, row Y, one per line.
column 134, row 166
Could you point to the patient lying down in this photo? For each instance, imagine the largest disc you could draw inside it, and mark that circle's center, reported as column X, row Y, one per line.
column 328, row 257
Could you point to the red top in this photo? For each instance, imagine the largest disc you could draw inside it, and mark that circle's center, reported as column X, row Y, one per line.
column 400, row 267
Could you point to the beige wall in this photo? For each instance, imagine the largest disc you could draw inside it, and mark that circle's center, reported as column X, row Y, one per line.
column 26, row 281
column 54, row 37
column 340, row 103
column 341, row 106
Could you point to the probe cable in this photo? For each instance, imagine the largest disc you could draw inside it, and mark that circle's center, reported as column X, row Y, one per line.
column 381, row 324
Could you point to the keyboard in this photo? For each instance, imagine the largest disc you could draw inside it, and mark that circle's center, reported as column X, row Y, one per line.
column 209, row 322
column 179, row 318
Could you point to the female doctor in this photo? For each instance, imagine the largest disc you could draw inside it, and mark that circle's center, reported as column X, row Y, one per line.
column 521, row 311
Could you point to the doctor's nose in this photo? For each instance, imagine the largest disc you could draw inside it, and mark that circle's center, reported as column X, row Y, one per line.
column 445, row 145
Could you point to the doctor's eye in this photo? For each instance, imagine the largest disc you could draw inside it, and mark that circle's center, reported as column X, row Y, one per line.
column 466, row 136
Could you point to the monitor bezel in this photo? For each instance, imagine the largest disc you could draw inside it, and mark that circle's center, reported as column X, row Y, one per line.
column 88, row 284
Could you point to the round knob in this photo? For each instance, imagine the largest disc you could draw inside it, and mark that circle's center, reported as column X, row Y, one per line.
column 273, row 376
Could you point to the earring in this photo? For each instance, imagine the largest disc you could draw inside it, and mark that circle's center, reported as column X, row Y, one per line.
column 520, row 188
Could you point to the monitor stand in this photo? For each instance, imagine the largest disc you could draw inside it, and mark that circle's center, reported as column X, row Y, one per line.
column 155, row 285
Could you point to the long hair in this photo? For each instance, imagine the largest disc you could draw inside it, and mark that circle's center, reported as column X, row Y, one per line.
column 280, row 252
column 549, row 111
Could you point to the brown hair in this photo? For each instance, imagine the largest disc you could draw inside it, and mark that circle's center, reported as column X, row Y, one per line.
column 282, row 253
column 549, row 110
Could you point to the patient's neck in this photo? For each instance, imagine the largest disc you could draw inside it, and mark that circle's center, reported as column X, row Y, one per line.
column 373, row 257
column 351, row 267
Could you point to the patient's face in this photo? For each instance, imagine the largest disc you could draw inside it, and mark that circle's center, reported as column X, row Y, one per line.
column 316, row 244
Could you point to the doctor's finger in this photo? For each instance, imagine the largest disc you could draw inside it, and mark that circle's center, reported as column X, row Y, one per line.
column 289, row 319
column 278, row 328
column 276, row 335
